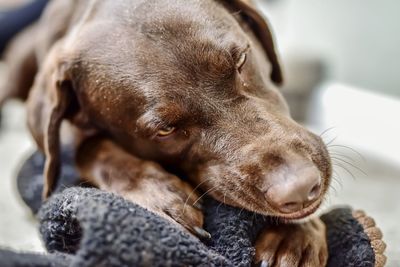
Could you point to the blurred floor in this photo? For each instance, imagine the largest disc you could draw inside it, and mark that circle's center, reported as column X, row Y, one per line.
column 377, row 192
column 18, row 227
column 374, row 188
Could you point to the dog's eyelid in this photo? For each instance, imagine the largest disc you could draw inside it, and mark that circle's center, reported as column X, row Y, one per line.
column 240, row 57
column 165, row 132
column 237, row 49
column 242, row 60
column 160, row 120
column 148, row 125
column 157, row 129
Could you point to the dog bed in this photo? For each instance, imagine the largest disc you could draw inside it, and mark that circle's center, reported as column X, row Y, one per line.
column 89, row 227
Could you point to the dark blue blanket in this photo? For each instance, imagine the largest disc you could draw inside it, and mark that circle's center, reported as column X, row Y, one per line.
column 89, row 227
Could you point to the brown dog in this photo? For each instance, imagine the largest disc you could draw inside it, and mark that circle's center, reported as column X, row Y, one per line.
column 146, row 85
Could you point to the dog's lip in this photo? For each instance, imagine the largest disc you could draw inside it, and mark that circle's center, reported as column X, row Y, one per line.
column 300, row 214
column 281, row 216
column 295, row 215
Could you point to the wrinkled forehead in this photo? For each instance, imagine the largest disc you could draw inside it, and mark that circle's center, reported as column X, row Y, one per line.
column 194, row 50
column 192, row 47
column 171, row 56
column 180, row 58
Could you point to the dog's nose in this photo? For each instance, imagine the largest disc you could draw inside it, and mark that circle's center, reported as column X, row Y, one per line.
column 295, row 190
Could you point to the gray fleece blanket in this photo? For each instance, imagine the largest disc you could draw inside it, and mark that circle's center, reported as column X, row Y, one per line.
column 89, row 227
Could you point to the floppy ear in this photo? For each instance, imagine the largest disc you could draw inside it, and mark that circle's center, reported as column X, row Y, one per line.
column 54, row 118
column 48, row 105
column 262, row 31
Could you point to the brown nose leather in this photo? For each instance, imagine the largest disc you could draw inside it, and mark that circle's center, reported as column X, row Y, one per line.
column 296, row 190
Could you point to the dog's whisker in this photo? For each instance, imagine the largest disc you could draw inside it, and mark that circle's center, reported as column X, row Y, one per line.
column 326, row 131
column 335, row 153
column 337, row 164
column 326, row 200
column 350, row 164
column 344, row 168
column 331, row 141
column 335, row 191
column 336, row 177
column 223, row 202
column 191, row 193
column 338, row 182
column 240, row 212
column 204, row 194
column 332, row 186
column 348, row 148
column 220, row 204
column 335, row 173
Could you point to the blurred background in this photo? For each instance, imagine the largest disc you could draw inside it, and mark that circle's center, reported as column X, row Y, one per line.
column 342, row 66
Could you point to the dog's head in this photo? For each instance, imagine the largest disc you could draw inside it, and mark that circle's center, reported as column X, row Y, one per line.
column 195, row 86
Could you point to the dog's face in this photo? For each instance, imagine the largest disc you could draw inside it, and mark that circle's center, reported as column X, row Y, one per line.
column 195, row 91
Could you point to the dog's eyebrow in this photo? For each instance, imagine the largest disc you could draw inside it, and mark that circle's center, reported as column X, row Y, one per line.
column 157, row 117
column 148, row 124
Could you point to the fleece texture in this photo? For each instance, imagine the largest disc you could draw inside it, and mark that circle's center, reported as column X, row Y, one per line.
column 89, row 227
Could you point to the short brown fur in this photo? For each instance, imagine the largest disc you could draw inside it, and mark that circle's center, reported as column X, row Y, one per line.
column 118, row 71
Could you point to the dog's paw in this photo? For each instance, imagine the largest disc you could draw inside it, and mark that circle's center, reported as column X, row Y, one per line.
column 293, row 245
column 183, row 205
column 169, row 197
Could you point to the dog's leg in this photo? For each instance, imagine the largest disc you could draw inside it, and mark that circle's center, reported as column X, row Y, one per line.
column 302, row 244
column 107, row 166
column 21, row 64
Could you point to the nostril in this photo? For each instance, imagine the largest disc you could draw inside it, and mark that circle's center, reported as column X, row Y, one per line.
column 314, row 192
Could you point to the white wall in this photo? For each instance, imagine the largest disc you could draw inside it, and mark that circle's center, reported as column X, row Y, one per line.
column 360, row 39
